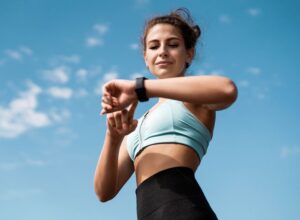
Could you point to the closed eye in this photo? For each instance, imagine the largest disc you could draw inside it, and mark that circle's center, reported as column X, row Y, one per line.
column 173, row 45
column 153, row 47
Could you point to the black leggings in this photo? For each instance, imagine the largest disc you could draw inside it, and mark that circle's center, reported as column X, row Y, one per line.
column 172, row 194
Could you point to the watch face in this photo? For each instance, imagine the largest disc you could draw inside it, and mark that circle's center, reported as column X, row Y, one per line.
column 140, row 89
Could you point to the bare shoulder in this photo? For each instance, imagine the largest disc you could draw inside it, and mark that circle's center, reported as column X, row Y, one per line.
column 204, row 114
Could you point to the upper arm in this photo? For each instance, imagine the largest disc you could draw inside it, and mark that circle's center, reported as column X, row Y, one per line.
column 125, row 166
column 216, row 107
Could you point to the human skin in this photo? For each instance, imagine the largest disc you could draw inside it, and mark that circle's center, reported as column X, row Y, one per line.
column 166, row 57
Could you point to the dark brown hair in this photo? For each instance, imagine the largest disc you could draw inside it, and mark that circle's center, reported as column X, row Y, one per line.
column 179, row 18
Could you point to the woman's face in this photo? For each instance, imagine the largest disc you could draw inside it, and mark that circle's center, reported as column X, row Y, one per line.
column 165, row 53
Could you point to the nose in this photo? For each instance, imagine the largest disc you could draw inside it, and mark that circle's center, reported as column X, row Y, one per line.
column 163, row 51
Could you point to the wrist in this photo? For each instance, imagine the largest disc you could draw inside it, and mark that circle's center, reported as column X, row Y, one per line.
column 140, row 89
column 116, row 138
column 132, row 89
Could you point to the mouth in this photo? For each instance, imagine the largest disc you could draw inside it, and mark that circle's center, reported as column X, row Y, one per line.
column 163, row 63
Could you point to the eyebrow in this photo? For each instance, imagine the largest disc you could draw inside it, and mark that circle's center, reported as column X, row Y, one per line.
column 169, row 39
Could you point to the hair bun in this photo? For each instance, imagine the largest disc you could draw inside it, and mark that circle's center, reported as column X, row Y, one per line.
column 197, row 31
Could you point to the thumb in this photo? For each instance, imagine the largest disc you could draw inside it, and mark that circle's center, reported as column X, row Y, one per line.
column 131, row 110
column 133, row 125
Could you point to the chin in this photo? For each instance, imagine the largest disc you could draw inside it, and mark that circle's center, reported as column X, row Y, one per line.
column 165, row 73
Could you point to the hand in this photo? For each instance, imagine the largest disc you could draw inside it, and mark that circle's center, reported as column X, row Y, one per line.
column 121, row 123
column 117, row 95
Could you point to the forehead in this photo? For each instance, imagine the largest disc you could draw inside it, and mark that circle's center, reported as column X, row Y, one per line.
column 163, row 32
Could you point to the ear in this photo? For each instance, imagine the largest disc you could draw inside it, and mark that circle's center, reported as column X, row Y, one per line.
column 145, row 59
column 190, row 55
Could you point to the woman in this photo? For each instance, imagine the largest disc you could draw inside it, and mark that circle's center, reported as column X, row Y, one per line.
column 166, row 145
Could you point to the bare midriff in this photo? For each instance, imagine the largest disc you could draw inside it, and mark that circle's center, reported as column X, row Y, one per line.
column 158, row 157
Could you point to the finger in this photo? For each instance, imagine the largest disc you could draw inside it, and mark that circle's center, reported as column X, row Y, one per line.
column 103, row 112
column 133, row 125
column 124, row 116
column 108, row 88
column 110, row 98
column 105, row 90
column 106, row 99
column 118, row 119
column 106, row 106
column 111, row 120
column 131, row 110
column 106, row 111
column 114, row 101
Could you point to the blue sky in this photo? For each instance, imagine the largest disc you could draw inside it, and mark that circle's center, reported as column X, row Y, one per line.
column 54, row 57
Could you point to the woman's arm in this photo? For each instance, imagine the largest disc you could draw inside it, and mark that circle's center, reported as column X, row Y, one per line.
column 113, row 170
column 114, row 166
column 214, row 92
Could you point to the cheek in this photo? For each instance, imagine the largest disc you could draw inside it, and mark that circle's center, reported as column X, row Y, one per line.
column 179, row 54
column 149, row 57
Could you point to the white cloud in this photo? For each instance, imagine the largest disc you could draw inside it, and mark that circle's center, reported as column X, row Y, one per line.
column 2, row 61
column 244, row 83
column 26, row 50
column 289, row 151
column 9, row 166
column 254, row 70
column 14, row 54
column 106, row 77
column 81, row 93
column 254, row 12
column 100, row 28
column 95, row 71
column 142, row 2
column 81, row 74
column 110, row 76
column 17, row 194
column 59, row 74
column 200, row 72
column 21, row 114
column 214, row 72
column 60, row 92
column 19, row 54
column 35, row 162
column 60, row 60
column 135, row 75
column 217, row 72
column 59, row 115
column 261, row 95
column 70, row 59
column 134, row 46
column 12, row 166
column 94, row 42
column 225, row 19
column 261, row 92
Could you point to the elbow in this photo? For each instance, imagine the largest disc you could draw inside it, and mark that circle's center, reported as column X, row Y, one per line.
column 102, row 194
column 102, row 197
column 229, row 95
column 230, row 92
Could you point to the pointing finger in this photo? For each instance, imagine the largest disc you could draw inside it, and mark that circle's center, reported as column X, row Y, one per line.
column 131, row 110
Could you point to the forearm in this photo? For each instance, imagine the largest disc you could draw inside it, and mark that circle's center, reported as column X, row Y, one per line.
column 194, row 89
column 107, row 168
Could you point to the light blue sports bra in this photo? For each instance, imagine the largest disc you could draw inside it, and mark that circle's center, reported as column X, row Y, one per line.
column 170, row 122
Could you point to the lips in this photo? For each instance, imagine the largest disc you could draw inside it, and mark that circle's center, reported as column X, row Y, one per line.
column 163, row 63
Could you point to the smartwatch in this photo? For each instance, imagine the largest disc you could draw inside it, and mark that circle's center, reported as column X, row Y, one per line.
column 140, row 89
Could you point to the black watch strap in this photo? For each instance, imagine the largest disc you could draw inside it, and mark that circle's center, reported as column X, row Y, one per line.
column 140, row 89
